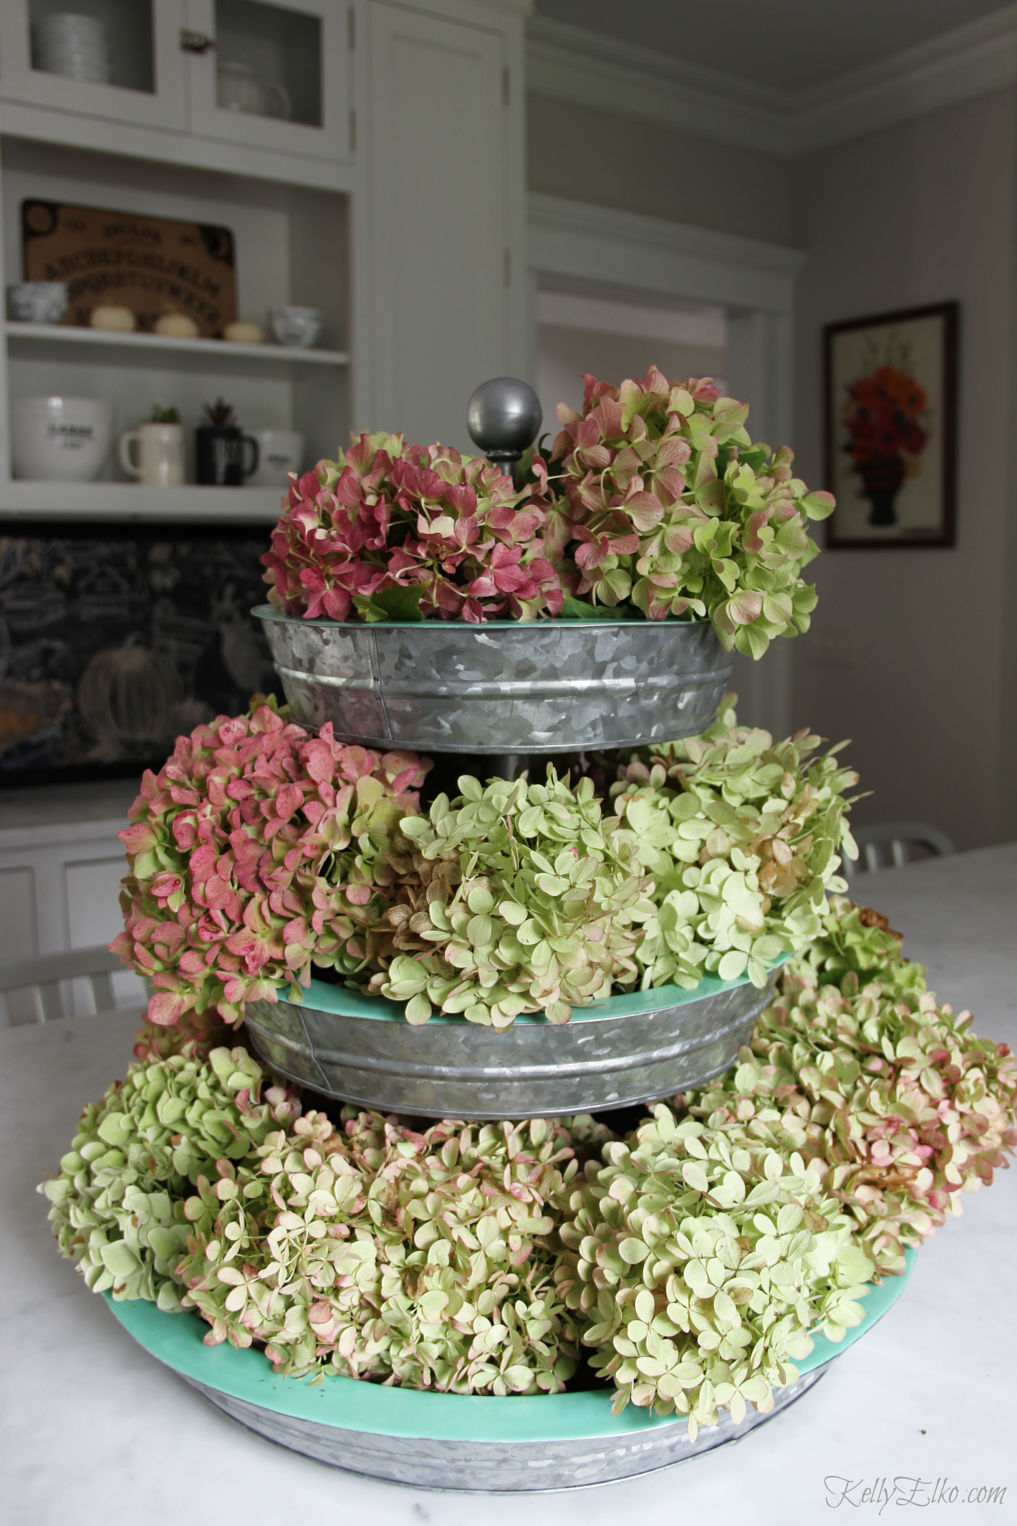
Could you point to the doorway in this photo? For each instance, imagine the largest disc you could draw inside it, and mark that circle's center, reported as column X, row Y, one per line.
column 587, row 328
column 722, row 299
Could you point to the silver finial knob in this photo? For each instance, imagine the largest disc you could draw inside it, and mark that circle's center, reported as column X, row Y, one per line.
column 503, row 417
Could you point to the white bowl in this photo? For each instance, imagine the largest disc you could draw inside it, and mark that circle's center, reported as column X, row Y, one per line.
column 299, row 327
column 60, row 439
column 97, row 58
column 89, row 74
column 65, row 27
column 36, row 301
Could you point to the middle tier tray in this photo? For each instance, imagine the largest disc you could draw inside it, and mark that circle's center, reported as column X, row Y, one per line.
column 538, row 686
column 632, row 1048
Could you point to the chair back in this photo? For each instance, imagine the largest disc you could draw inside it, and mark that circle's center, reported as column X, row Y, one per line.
column 40, row 986
column 887, row 844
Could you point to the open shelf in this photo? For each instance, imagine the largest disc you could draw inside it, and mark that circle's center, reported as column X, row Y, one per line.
column 222, row 353
column 290, row 245
column 128, row 501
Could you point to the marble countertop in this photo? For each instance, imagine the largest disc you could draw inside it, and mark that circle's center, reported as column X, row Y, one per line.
column 97, row 1433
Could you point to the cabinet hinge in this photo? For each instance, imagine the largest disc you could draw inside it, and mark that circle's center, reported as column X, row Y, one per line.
column 351, row 25
column 353, row 129
column 504, row 84
column 508, row 266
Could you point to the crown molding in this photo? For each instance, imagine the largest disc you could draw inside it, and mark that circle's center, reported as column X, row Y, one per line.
column 577, row 242
column 970, row 61
column 568, row 63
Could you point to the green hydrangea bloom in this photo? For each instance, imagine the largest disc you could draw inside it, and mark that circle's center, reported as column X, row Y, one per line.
column 742, row 835
column 880, row 1087
column 522, row 899
column 377, row 1252
column 699, row 1261
column 117, row 1205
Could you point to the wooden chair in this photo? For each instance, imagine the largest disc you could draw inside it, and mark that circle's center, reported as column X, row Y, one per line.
column 43, row 982
column 888, row 844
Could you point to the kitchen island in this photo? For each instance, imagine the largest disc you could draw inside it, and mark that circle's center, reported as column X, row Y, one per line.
column 98, row 1433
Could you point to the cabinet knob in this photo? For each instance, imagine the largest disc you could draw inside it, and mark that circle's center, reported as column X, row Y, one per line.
column 195, row 42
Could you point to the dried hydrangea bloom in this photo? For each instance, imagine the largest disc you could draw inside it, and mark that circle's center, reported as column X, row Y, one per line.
column 699, row 1260
column 675, row 510
column 855, row 940
column 421, row 1259
column 742, row 835
column 255, row 852
column 413, row 532
column 118, row 1201
column 880, row 1087
column 521, row 899
column 194, row 1035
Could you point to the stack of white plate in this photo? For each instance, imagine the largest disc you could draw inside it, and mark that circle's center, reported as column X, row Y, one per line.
column 72, row 45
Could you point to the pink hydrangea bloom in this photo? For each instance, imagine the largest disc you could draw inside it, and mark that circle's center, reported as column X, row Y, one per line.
column 414, row 532
column 252, row 854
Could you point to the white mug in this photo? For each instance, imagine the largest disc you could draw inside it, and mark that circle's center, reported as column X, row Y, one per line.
column 280, row 451
column 160, row 454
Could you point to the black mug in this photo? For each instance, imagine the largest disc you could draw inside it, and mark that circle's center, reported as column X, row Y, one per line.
column 220, row 456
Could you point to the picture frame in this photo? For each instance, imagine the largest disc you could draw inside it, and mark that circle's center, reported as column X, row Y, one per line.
column 116, row 638
column 890, row 395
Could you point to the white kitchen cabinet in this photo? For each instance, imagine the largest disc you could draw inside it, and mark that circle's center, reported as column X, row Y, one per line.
column 447, row 217
column 288, row 61
column 60, row 869
column 301, row 51
column 292, row 245
column 147, row 82
column 410, row 240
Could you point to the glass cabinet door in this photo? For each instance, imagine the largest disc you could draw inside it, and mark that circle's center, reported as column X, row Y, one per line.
column 277, row 76
column 118, row 59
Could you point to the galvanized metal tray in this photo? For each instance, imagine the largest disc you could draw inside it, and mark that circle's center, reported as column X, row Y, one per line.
column 628, row 1049
column 456, row 1441
column 507, row 686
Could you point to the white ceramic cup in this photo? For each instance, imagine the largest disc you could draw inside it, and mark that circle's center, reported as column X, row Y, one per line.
column 296, row 326
column 36, row 301
column 60, row 439
column 153, row 453
column 280, row 451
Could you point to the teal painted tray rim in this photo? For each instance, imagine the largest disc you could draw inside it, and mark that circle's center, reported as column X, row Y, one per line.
column 176, row 1340
column 547, row 622
column 346, row 1001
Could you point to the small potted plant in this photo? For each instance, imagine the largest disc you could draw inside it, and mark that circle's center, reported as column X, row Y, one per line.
column 220, row 445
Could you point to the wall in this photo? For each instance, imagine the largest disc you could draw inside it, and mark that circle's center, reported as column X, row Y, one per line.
column 591, row 156
column 913, row 652
column 909, row 661
column 565, row 355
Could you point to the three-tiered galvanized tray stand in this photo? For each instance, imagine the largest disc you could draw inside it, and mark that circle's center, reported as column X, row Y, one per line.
column 507, row 692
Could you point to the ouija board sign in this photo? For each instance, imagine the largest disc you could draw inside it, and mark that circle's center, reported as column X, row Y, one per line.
column 152, row 265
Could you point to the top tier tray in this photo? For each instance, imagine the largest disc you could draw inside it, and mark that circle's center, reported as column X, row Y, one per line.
column 507, row 686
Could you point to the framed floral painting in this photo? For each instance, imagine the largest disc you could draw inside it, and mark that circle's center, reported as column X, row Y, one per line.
column 891, row 408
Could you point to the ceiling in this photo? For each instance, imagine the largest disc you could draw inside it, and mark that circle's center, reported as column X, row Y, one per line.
column 788, row 44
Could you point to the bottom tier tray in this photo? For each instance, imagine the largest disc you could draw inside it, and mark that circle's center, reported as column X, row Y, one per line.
column 456, row 1441
column 629, row 1049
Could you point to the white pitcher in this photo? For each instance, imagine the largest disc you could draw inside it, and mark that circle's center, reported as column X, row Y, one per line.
column 239, row 89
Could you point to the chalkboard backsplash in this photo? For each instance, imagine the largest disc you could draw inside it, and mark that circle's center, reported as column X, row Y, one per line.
column 114, row 640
